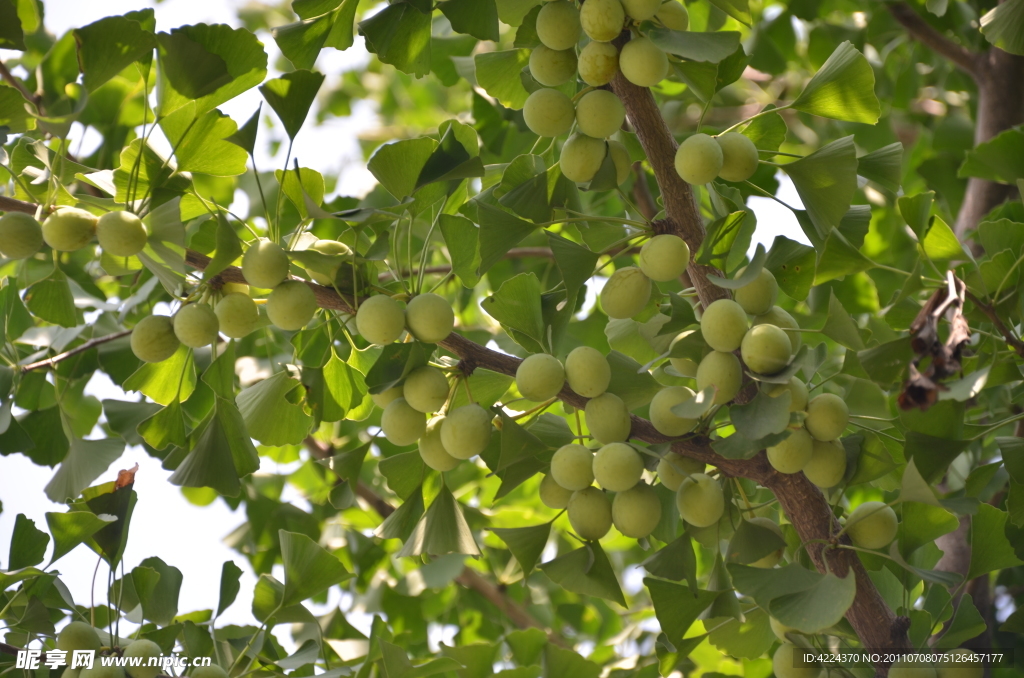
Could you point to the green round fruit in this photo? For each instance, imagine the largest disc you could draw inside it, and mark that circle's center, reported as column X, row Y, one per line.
column 78, row 636
column 962, row 663
column 758, row 296
column 721, row 370
column 780, row 630
column 153, row 339
column 581, row 157
column 797, row 390
column 781, row 319
column 723, row 325
column 684, row 367
column 554, row 495
column 426, row 389
column 265, row 264
column 673, row 469
column 699, row 159
column 549, row 112
column 237, row 315
column 432, row 450
column 466, row 431
column 827, row 465
column 540, row 377
column 384, row 398
column 664, row 257
column 328, row 247
column 602, row 20
column 617, row 467
column 739, row 156
column 908, row 669
column 234, row 288
column 827, row 416
column 673, row 15
column 700, row 500
column 608, row 419
column 380, row 320
column 641, row 10
column 661, row 414
column 145, row 649
column 643, row 63
column 637, row 511
column 401, row 424
column 598, row 63
column 773, row 558
column 291, row 305
column 69, row 229
column 551, row 67
column 430, row 318
column 558, row 25
column 100, row 671
column 621, row 160
column 784, row 663
column 587, row 371
column 793, row 453
column 121, row 234
column 766, row 349
column 212, row 671
column 572, row 467
column 599, row 113
column 196, row 325
column 872, row 525
column 21, row 236
column 626, row 293
column 590, row 513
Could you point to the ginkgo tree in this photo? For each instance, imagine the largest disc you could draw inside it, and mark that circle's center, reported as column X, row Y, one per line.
column 540, row 356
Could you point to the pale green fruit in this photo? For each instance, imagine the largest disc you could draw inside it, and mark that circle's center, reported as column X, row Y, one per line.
column 626, row 293
column 739, row 156
column 664, row 257
column 291, row 305
column 587, row 371
column 401, row 424
column 641, row 10
column 643, row 63
column 233, row 288
column 661, row 411
column 907, row 669
column 700, row 500
column 153, row 339
column 590, row 513
column 797, row 390
column 962, row 663
column 549, row 112
column 723, row 325
column 466, row 431
column 721, row 370
column 196, row 325
column 121, row 234
column 384, row 398
column 599, row 113
column 780, row 630
column 773, row 558
column 758, row 296
column 766, row 349
column 78, row 636
column 608, row 419
column 328, row 247
column 617, row 467
column 145, row 649
column 380, row 320
column 237, row 315
column 581, row 157
column 827, row 465
column 558, row 25
column 781, row 319
column 432, row 449
column 793, row 453
column 426, row 389
column 540, row 377
column 554, row 495
column 637, row 511
column 784, row 663
column 598, row 63
column 872, row 525
column 212, row 671
column 602, row 20
column 699, row 159
column 673, row 469
column 100, row 671
column 69, row 229
column 265, row 264
column 621, row 160
column 430, row 318
column 673, row 15
column 572, row 467
column 684, row 366
column 551, row 67
column 827, row 416
column 21, row 236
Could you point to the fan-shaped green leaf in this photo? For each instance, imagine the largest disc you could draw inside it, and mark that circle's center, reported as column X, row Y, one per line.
column 843, row 88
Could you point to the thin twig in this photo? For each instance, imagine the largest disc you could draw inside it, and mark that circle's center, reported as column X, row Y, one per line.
column 92, row 343
column 1016, row 344
column 9, row 78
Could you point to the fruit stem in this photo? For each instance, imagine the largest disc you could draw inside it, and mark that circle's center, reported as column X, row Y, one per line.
column 534, row 410
column 582, row 92
column 764, row 111
column 743, row 494
column 469, row 393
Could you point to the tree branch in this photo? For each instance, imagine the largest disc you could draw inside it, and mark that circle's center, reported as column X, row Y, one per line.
column 9, row 78
column 928, row 36
column 12, row 205
column 1016, row 344
column 82, row 348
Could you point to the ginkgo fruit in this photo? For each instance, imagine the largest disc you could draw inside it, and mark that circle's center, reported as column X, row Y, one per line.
column 572, row 467
column 21, row 235
column 699, row 159
column 590, row 513
column 787, row 662
column 673, row 15
column 723, row 325
column 797, row 392
column 558, row 25
column 664, row 257
column 265, row 264
column 143, row 649
column 429, row 317
column 780, row 630
column 626, row 293
column 384, row 398
column 78, row 636
column 700, row 500
column 620, row 158
column 766, row 349
column 721, row 370
column 791, row 454
column 332, row 247
column 827, row 464
column 237, row 315
column 617, row 467
column 739, row 156
column 758, row 296
column 291, row 305
column 153, row 339
column 196, row 325
column 466, row 431
column 581, row 157
column 661, row 414
column 607, row 418
column 783, row 320
column 643, row 63
column 673, row 469
column 69, row 229
column 587, row 371
column 772, row 559
column 641, row 10
column 961, row 663
column 121, row 234
column 540, row 377
column 598, row 63
column 212, row 671
column 827, row 416
column 549, row 112
column 872, row 525
column 637, row 511
column 552, row 67
column 599, row 113
column 431, row 449
column 602, row 20
column 554, row 495
column 380, row 320
column 401, row 424
column 426, row 389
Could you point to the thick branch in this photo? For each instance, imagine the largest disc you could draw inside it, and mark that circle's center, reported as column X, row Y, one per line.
column 12, row 205
column 924, row 33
